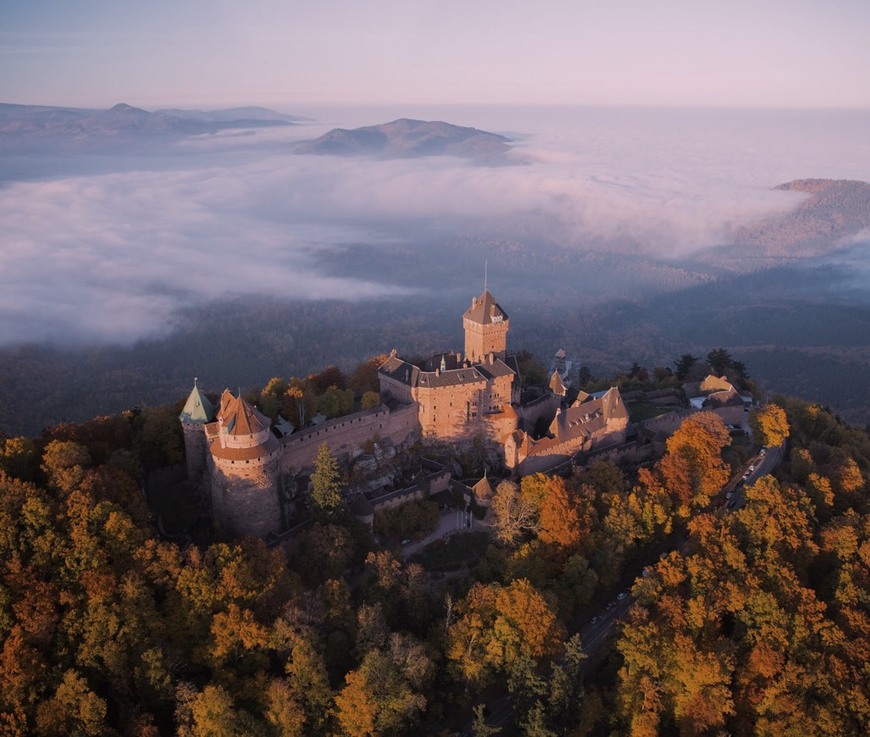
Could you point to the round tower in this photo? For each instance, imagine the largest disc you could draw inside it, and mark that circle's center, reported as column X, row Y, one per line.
column 244, row 470
column 197, row 413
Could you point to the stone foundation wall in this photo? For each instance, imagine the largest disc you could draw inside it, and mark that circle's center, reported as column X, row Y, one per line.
column 245, row 506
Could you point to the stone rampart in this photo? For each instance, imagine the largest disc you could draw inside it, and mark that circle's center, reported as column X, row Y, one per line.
column 345, row 435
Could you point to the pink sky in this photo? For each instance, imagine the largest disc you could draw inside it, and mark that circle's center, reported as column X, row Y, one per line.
column 791, row 53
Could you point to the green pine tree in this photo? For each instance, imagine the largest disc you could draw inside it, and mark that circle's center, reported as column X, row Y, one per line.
column 326, row 480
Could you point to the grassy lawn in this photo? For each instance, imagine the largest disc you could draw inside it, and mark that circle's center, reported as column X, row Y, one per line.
column 640, row 411
column 450, row 554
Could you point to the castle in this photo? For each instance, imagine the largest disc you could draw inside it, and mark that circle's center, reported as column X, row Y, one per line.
column 249, row 467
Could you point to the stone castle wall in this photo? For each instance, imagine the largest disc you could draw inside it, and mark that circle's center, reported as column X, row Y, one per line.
column 668, row 423
column 246, row 504
column 347, row 434
column 481, row 340
column 195, row 447
column 446, row 411
column 542, row 407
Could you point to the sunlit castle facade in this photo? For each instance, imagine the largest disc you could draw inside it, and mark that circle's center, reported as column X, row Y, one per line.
column 457, row 394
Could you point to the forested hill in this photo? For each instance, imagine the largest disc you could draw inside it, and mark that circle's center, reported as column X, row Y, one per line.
column 756, row 624
column 833, row 211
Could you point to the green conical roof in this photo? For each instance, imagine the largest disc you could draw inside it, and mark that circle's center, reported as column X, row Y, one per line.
column 197, row 408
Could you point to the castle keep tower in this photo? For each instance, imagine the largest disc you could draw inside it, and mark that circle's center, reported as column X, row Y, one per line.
column 197, row 413
column 486, row 326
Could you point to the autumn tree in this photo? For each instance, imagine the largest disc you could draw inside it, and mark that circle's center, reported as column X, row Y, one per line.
column 498, row 626
column 64, row 463
column 769, row 425
column 559, row 521
column 299, row 403
column 19, row 458
column 386, row 693
column 515, row 513
column 330, row 376
column 692, row 469
column 370, row 400
column 364, row 378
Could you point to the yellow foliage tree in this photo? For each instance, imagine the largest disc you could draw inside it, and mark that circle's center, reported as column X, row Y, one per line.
column 770, row 425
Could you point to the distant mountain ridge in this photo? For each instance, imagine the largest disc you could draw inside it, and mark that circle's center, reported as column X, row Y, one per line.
column 835, row 209
column 25, row 128
column 408, row 138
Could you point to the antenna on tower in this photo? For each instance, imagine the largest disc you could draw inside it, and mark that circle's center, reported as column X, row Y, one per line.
column 485, row 264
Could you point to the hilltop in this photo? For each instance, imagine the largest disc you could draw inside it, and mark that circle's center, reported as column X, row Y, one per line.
column 833, row 211
column 406, row 138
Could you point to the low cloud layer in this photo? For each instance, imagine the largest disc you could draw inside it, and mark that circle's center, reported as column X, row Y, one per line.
column 110, row 257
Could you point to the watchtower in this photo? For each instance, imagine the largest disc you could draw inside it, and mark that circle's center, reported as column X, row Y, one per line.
column 486, row 326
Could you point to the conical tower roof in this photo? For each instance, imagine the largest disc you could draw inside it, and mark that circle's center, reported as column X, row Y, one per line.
column 197, row 408
column 557, row 386
column 240, row 418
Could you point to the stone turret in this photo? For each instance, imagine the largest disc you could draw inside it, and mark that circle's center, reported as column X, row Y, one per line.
column 197, row 413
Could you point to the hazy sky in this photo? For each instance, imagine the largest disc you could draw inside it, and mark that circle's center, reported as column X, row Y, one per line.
column 285, row 52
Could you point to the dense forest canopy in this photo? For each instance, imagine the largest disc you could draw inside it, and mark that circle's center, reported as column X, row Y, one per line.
column 756, row 624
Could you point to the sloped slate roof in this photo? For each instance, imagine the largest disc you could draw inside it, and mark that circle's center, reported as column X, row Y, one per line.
column 450, row 378
column 400, row 370
column 484, row 310
column 494, row 369
column 197, row 408
column 483, row 490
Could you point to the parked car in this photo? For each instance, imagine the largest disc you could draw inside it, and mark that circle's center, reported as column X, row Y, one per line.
column 621, row 595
